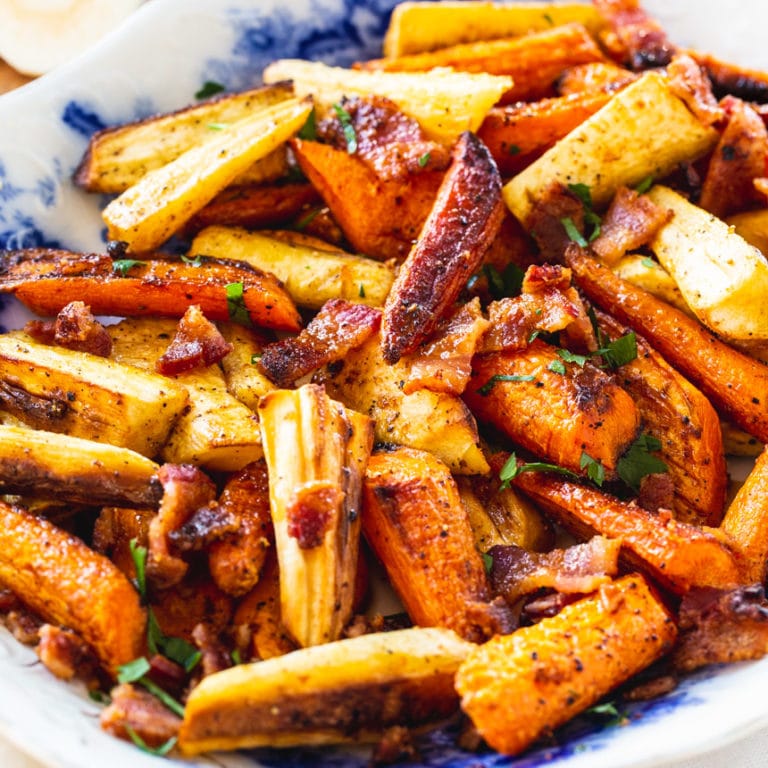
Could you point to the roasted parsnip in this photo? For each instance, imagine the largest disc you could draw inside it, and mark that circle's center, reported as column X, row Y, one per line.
column 316, row 452
column 88, row 396
column 51, row 465
column 348, row 690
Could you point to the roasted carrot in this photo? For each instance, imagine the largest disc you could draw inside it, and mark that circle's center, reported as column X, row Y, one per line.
column 69, row 584
column 462, row 224
column 534, row 61
column 558, row 411
column 735, row 383
column 47, row 280
column 519, row 687
column 516, row 134
column 677, row 555
column 686, row 425
column 415, row 522
column 594, row 77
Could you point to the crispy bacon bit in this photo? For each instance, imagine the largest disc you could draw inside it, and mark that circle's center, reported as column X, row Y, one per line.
column 545, row 222
column 236, row 561
column 310, row 512
column 392, row 144
column 728, row 78
column 445, row 363
column 651, row 689
column 740, row 157
column 66, row 655
column 634, row 38
column 185, row 490
column 464, row 220
column 216, row 655
column 581, row 568
column 74, row 328
column 197, row 343
column 23, row 625
column 547, row 304
column 546, row 606
column 688, row 81
column 208, row 524
column 133, row 707
column 722, row 626
column 336, row 329
column 630, row 222
column 169, row 675
column 657, row 492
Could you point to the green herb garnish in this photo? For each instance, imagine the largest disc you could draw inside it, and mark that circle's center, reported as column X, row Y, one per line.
column 572, row 357
column 491, row 383
column 217, row 126
column 573, row 234
column 236, row 308
column 621, row 351
column 557, row 366
column 139, row 556
column 644, row 185
column 208, row 89
column 487, row 561
column 591, row 219
column 637, row 461
column 160, row 751
column 308, row 131
column 648, row 262
column 133, row 671
column 121, row 266
column 361, row 292
column 506, row 283
column 594, row 467
column 423, row 160
column 193, row 261
column 306, row 220
column 512, row 469
column 349, row 130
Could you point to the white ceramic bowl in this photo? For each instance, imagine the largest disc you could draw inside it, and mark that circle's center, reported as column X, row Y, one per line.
column 156, row 62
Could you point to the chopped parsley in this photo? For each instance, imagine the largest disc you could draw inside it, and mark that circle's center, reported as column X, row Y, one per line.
column 648, row 262
column 594, row 467
column 608, row 712
column 491, row 383
column 136, row 672
column 487, row 561
column 644, row 185
column 308, row 131
column 349, row 130
column 160, row 751
column 121, row 266
column 236, row 308
column 514, row 150
column 506, row 283
column 621, row 351
column 638, row 461
column 195, row 261
column 306, row 220
column 512, row 469
column 592, row 221
column 139, row 556
column 217, row 126
column 572, row 357
column 361, row 292
column 208, row 89
column 557, row 366
column 423, row 160
column 573, row 233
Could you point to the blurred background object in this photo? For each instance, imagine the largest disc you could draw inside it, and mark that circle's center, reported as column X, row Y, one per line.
column 38, row 35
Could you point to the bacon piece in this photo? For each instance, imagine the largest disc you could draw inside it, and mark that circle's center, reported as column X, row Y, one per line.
column 23, row 624
column 197, row 343
column 581, row 568
column 740, row 157
column 631, row 222
column 719, row 626
column 66, row 655
column 74, row 328
column 445, row 363
column 337, row 328
column 236, row 561
column 688, row 81
column 185, row 490
column 634, row 38
column 389, row 142
column 657, row 492
column 206, row 525
column 135, row 708
column 545, row 222
column 216, row 655
column 462, row 224
column 728, row 78
column 309, row 513
column 547, row 304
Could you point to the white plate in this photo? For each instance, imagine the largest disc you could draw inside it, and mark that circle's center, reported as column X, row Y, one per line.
column 157, row 62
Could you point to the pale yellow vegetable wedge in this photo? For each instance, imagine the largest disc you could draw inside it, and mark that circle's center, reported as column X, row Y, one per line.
column 445, row 103
column 66, row 468
column 349, row 690
column 437, row 422
column 311, row 272
column 426, row 26
column 316, row 452
column 244, row 378
column 117, row 158
column 752, row 226
column 649, row 275
column 157, row 206
column 621, row 144
column 88, row 396
column 216, row 431
column 723, row 278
